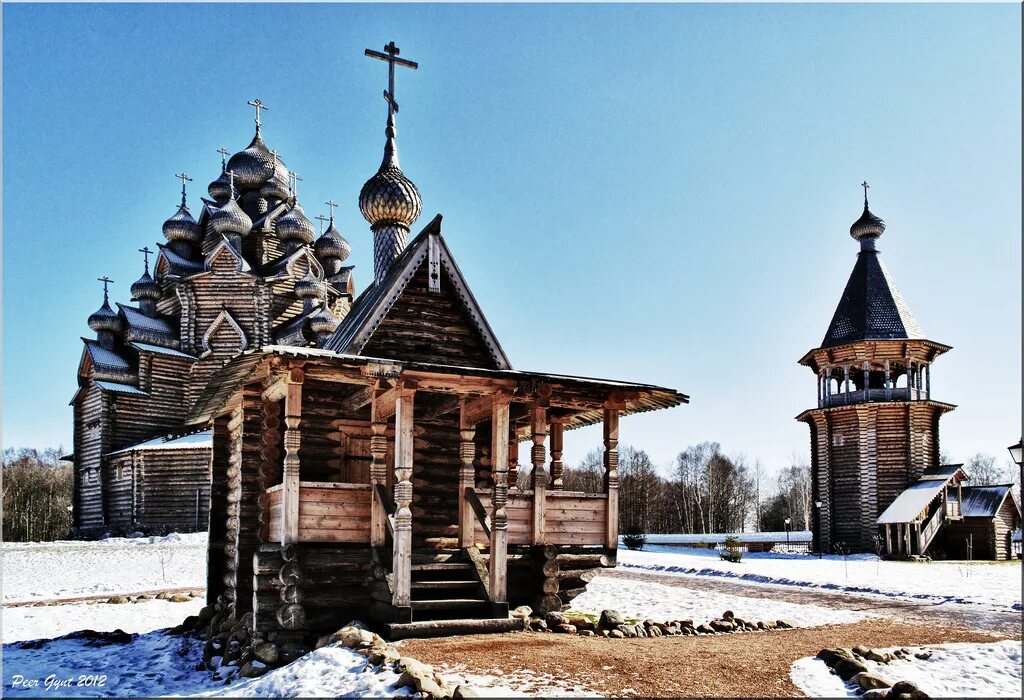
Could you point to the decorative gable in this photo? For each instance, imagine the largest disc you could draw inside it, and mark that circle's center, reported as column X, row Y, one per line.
column 224, row 334
column 225, row 259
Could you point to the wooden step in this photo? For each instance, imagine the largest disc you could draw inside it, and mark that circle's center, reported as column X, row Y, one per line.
column 449, row 604
column 441, row 566
column 446, row 628
column 432, row 585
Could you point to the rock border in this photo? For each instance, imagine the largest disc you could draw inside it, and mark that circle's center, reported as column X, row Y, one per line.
column 615, row 625
column 849, row 665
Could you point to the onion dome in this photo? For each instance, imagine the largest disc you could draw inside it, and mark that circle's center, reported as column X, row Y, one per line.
column 332, row 245
column 276, row 187
column 389, row 197
column 323, row 321
column 868, row 225
column 105, row 318
column 182, row 227
column 231, row 220
column 294, row 226
column 254, row 165
column 219, row 189
column 146, row 287
column 308, row 287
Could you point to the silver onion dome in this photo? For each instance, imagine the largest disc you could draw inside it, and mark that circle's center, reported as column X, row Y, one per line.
column 868, row 225
column 105, row 319
column 182, row 227
column 389, row 197
column 146, row 288
column 308, row 287
column 230, row 219
column 220, row 189
column 323, row 321
column 276, row 187
column 332, row 245
column 294, row 226
column 254, row 165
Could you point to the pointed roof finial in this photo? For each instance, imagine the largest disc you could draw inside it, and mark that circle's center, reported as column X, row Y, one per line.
column 865, row 185
column 146, row 252
column 184, row 178
column 322, row 219
column 223, row 158
column 106, row 281
column 258, row 105
column 332, row 204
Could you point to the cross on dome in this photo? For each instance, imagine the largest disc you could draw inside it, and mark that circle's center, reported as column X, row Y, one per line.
column 106, row 281
column 224, row 153
column 865, row 185
column 258, row 105
column 184, row 178
column 390, row 56
column 146, row 252
column 321, row 218
column 332, row 204
column 295, row 180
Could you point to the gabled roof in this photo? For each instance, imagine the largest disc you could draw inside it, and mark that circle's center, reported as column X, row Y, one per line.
column 200, row 440
column 370, row 308
column 983, row 501
column 911, row 501
column 120, row 388
column 160, row 350
column 943, row 473
column 177, row 264
column 140, row 321
column 871, row 307
column 241, row 264
column 105, row 358
column 281, row 267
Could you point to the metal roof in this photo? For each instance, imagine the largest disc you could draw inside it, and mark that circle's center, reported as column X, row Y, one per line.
column 105, row 358
column 120, row 388
column 178, row 264
column 942, row 473
column 146, row 347
column 909, row 504
column 983, row 501
column 871, row 307
column 200, row 440
column 137, row 319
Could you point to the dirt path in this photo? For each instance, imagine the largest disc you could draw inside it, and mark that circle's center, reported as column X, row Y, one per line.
column 729, row 665
column 909, row 611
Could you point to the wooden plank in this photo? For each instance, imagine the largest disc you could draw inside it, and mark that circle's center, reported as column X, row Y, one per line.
column 311, row 508
column 575, row 538
column 576, row 526
column 332, row 535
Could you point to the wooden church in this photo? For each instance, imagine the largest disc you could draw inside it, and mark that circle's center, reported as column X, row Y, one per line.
column 364, row 452
column 876, row 478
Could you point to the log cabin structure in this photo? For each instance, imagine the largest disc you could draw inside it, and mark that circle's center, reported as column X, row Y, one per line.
column 875, row 429
column 250, row 271
column 375, row 476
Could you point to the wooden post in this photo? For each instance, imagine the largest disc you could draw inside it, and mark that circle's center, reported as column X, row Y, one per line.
column 378, row 469
column 888, row 539
column 499, row 518
column 557, row 428
column 611, row 475
column 846, row 383
column 828, row 386
column 401, row 560
column 513, row 458
column 292, row 439
column 467, row 453
column 928, row 381
column 867, row 381
column 538, row 433
column 888, row 383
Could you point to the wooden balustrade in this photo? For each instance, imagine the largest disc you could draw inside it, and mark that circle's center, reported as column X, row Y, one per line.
column 328, row 512
column 570, row 517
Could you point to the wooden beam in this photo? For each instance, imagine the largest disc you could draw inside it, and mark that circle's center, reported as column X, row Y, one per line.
column 467, row 454
column 476, row 410
column 378, row 469
column 385, row 403
column 539, row 432
column 292, row 440
column 611, row 475
column 357, row 400
column 557, row 430
column 498, row 585
column 401, row 560
column 276, row 387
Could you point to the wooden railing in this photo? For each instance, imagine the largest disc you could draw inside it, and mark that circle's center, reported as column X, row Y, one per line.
column 328, row 512
column 480, row 511
column 570, row 517
column 929, row 530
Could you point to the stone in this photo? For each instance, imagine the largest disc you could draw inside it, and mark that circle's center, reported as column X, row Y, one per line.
column 118, row 600
column 627, row 630
column 466, row 691
column 728, row 615
column 848, row 668
column 737, row 622
column 783, row 625
column 704, row 629
column 582, row 623
column 876, row 694
column 639, row 631
column 876, row 656
column 539, row 625
column 179, row 598
column 420, row 677
column 252, row 669
column 387, row 654
column 923, row 655
column 615, row 633
column 566, row 628
column 522, row 612
column 903, row 688
column 353, row 637
column 869, row 681
column 769, row 624
column 163, row 595
column 611, row 619
column 587, row 633
column 266, row 653
column 685, row 623
column 721, row 626
column 555, row 618
column 654, row 632
column 143, row 598
column 861, row 651
column 290, row 651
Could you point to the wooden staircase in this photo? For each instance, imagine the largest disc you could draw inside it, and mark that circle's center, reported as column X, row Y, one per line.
column 449, row 598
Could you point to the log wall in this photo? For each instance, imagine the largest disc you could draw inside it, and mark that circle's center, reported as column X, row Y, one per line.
column 167, row 482
column 92, row 441
column 119, row 492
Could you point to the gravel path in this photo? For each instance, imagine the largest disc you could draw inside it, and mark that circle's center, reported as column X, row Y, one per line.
column 729, row 665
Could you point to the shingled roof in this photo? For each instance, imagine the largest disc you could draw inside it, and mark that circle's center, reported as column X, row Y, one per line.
column 871, row 308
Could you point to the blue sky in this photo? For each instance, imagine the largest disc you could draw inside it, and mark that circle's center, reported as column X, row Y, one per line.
column 658, row 193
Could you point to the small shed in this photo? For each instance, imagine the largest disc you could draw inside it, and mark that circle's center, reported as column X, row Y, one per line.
column 990, row 516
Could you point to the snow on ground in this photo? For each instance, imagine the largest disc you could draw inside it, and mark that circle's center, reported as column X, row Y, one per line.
column 990, row 585
column 154, row 663
column 114, row 565
column 953, row 670
column 495, row 683
column 652, row 600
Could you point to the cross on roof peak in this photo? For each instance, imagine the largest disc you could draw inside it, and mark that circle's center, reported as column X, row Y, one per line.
column 258, row 105
column 390, row 56
column 321, row 218
column 294, row 184
column 332, row 204
column 865, row 185
column 231, row 181
column 223, row 158
column 106, row 281
column 146, row 252
column 184, row 178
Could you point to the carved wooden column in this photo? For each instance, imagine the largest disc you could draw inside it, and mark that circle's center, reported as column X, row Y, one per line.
column 557, row 428
column 928, row 381
column 888, row 382
column 538, row 433
column 378, row 468
column 292, row 439
column 611, row 475
column 828, row 385
column 513, row 458
column 499, row 518
column 467, row 453
column 867, row 381
column 401, row 560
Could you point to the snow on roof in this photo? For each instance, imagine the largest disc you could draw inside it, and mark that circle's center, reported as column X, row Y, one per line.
column 983, row 501
column 942, row 473
column 203, row 439
column 909, row 504
column 120, row 388
column 162, row 350
column 718, row 537
column 137, row 319
column 107, row 358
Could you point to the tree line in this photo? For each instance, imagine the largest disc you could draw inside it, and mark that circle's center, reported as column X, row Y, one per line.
column 36, row 495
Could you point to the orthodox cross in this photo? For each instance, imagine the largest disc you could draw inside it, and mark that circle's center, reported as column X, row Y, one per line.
column 865, row 185
column 184, row 178
column 145, row 256
column 231, row 181
column 258, row 105
column 295, row 182
column 321, row 218
column 223, row 157
column 331, row 203
column 105, row 280
column 390, row 55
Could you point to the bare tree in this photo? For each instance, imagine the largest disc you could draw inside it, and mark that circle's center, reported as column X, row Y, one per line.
column 983, row 470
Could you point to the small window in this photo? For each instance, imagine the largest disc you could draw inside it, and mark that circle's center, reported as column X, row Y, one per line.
column 837, row 441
